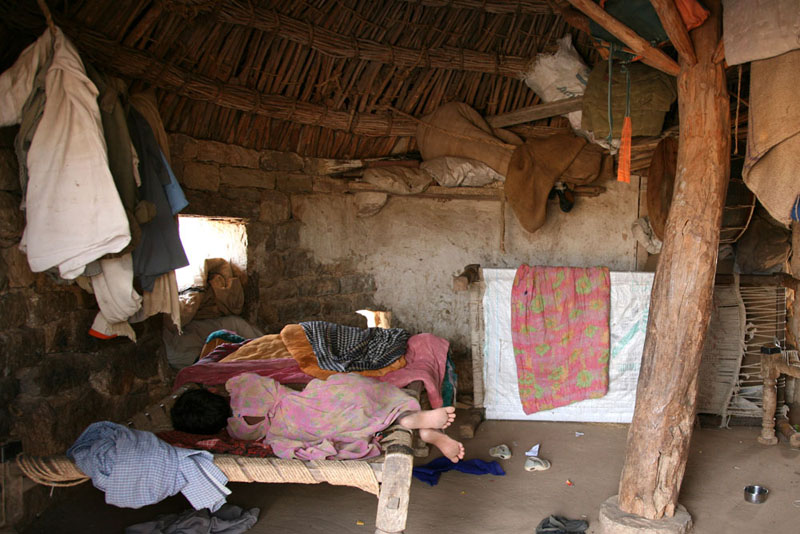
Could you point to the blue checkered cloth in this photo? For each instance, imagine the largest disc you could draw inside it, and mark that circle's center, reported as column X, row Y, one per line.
column 348, row 348
column 135, row 468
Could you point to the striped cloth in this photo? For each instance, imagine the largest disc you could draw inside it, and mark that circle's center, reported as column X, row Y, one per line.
column 348, row 348
column 134, row 468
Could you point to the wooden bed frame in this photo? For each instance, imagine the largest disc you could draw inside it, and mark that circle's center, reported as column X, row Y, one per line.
column 388, row 476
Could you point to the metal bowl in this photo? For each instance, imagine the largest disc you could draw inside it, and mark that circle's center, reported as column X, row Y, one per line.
column 755, row 494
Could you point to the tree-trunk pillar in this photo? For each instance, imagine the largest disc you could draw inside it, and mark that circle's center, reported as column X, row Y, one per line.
column 658, row 439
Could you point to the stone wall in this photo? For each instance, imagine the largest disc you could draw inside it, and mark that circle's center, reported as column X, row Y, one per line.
column 285, row 283
column 310, row 256
column 56, row 378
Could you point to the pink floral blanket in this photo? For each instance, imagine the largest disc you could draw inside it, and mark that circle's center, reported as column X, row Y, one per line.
column 560, row 332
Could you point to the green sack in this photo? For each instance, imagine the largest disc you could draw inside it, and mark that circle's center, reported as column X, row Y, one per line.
column 651, row 95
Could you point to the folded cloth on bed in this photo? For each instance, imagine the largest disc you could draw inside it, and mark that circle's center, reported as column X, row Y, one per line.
column 284, row 370
column 349, row 348
column 267, row 347
column 560, row 331
column 426, row 358
column 134, row 468
column 295, row 340
column 221, row 443
column 334, row 419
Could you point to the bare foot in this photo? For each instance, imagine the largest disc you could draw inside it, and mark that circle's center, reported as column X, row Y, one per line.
column 438, row 418
column 452, row 449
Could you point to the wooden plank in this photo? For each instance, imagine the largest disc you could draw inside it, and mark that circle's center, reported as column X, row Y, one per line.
column 535, row 113
column 680, row 309
column 676, row 30
column 650, row 56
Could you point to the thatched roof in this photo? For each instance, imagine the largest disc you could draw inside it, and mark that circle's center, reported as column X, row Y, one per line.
column 332, row 78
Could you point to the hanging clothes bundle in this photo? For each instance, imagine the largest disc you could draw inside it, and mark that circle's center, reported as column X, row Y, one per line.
column 99, row 195
column 73, row 211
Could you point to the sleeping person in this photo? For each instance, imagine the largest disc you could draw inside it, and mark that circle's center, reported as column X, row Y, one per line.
column 333, row 419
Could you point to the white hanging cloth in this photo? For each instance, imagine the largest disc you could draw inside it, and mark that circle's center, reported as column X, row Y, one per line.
column 74, row 213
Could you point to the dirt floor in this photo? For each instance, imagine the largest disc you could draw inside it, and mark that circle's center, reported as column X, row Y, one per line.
column 721, row 463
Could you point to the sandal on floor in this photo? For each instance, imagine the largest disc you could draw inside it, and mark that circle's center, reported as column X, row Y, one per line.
column 534, row 463
column 501, row 451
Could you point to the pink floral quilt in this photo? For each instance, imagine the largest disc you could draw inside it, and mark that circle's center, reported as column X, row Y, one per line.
column 560, row 332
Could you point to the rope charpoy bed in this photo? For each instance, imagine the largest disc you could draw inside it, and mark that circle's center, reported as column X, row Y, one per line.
column 387, row 476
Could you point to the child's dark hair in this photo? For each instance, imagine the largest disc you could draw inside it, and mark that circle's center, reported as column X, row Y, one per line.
column 198, row 411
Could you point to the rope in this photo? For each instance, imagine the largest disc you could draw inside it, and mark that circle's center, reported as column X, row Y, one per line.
column 60, row 471
column 56, row 471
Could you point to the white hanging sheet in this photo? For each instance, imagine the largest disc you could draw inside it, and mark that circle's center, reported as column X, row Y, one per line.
column 630, row 303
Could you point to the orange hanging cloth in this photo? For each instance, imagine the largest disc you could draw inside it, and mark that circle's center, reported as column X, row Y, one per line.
column 624, row 168
column 625, row 145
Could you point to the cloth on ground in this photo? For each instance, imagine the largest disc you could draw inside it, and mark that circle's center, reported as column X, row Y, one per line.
column 135, row 468
column 160, row 250
column 229, row 519
column 66, row 227
column 426, row 360
column 555, row 524
column 772, row 163
column 560, row 331
column 430, row 472
column 221, row 443
column 349, row 348
column 297, row 344
column 542, row 161
column 334, row 419
column 267, row 347
column 455, row 129
column 183, row 350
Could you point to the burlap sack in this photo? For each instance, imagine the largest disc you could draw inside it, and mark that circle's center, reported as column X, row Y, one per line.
column 772, row 165
column 537, row 165
column 455, row 129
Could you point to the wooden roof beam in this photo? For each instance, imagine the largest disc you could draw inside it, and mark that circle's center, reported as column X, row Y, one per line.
column 676, row 30
column 142, row 66
column 340, row 46
column 650, row 56
column 527, row 7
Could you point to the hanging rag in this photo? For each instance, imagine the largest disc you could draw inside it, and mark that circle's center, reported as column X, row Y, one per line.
column 772, row 162
column 430, row 472
column 560, row 332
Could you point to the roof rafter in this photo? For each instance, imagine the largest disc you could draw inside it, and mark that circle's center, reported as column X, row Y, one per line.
column 340, row 46
column 142, row 66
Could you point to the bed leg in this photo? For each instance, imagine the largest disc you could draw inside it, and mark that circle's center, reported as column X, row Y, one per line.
column 395, row 489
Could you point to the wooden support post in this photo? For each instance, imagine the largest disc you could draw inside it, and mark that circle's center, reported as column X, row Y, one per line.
column 680, row 306
column 650, row 56
column 535, row 113
column 769, row 399
column 673, row 24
